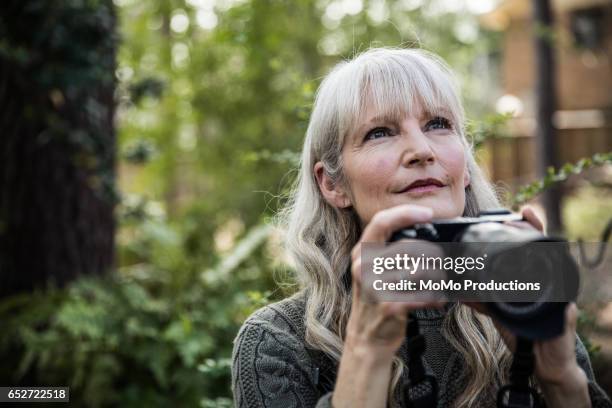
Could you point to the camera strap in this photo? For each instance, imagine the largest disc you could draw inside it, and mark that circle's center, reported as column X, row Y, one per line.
column 421, row 391
column 519, row 393
column 422, row 388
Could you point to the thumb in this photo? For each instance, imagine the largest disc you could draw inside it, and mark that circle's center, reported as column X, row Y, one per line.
column 571, row 316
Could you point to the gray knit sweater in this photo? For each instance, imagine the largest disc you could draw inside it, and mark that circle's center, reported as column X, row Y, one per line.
column 273, row 367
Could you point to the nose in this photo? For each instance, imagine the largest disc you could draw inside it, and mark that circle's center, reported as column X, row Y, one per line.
column 417, row 150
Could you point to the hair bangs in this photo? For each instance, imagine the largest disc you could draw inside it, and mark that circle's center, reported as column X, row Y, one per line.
column 395, row 85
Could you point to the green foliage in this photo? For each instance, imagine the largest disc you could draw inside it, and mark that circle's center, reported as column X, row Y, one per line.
column 585, row 212
column 553, row 176
column 65, row 41
column 491, row 126
column 146, row 87
column 210, row 119
column 139, row 152
column 154, row 333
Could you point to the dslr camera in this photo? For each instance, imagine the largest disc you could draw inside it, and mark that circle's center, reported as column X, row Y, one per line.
column 510, row 252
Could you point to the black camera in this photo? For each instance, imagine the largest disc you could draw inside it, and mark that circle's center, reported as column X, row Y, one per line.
column 512, row 255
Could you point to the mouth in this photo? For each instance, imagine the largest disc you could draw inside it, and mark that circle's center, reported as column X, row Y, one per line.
column 422, row 186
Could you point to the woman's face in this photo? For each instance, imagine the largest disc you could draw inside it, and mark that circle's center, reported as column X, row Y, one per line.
column 418, row 160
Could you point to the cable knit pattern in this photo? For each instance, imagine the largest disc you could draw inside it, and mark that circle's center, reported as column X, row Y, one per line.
column 273, row 367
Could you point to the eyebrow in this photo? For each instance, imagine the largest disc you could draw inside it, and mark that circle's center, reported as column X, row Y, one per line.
column 376, row 119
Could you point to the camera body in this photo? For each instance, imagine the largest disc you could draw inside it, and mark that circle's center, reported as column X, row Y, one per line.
column 453, row 229
column 509, row 250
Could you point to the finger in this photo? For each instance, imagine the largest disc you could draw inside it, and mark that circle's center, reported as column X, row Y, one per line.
column 356, row 270
column 571, row 316
column 356, row 251
column 356, row 266
column 404, row 278
column 530, row 216
column 524, row 225
column 389, row 220
column 356, row 296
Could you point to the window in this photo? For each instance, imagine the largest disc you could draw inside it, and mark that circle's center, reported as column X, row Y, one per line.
column 588, row 27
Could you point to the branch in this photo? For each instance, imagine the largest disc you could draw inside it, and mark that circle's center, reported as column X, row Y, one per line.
column 531, row 190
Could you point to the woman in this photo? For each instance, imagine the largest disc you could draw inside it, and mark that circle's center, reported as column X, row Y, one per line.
column 385, row 149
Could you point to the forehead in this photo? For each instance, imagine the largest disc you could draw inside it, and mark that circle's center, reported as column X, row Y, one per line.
column 371, row 112
column 393, row 86
column 416, row 109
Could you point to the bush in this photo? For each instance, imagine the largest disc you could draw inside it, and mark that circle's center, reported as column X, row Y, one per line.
column 156, row 333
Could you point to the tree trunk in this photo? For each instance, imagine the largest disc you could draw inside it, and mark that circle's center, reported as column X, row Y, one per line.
column 57, row 142
column 546, row 104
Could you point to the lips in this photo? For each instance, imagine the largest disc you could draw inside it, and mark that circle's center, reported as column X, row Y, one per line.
column 423, row 186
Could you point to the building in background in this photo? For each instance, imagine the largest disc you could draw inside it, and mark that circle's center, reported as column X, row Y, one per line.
column 583, row 43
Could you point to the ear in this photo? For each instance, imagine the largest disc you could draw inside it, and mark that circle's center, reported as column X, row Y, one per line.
column 466, row 178
column 333, row 194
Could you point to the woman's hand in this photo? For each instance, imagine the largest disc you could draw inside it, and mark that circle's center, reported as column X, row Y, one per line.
column 375, row 330
column 382, row 325
column 563, row 382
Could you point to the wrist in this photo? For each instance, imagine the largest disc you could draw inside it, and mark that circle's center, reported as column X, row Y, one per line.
column 569, row 389
column 363, row 376
column 571, row 377
column 370, row 355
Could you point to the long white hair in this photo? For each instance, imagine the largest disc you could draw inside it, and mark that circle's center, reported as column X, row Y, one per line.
column 319, row 237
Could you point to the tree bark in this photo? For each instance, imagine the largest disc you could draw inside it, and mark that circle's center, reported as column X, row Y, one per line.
column 546, row 142
column 57, row 142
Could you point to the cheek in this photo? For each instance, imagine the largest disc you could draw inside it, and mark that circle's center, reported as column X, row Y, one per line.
column 383, row 166
column 369, row 177
column 374, row 171
column 453, row 161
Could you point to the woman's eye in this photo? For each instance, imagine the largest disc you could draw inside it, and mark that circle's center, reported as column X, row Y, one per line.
column 377, row 133
column 438, row 123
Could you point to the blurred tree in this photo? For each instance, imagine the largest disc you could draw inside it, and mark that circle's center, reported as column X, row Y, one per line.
column 546, row 139
column 57, row 63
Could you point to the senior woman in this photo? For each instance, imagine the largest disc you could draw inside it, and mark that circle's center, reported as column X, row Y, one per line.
column 385, row 149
